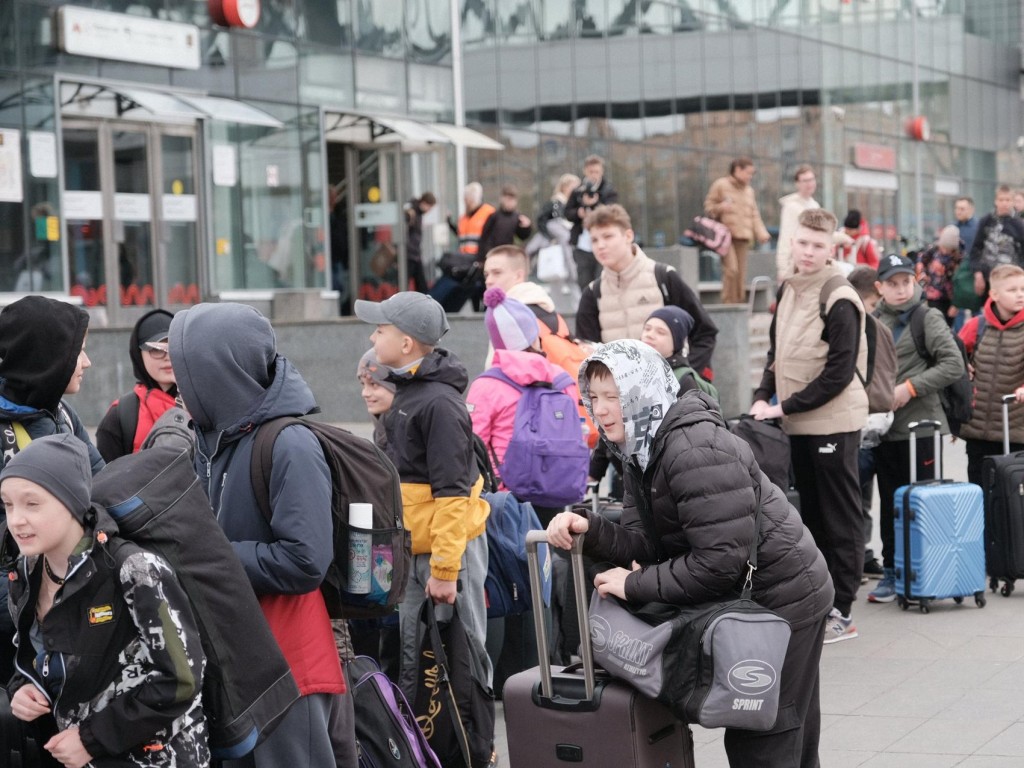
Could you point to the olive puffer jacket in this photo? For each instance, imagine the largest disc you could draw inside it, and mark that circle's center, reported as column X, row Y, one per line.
column 702, row 485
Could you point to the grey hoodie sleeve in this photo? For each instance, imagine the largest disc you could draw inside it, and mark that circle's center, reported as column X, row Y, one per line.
column 295, row 561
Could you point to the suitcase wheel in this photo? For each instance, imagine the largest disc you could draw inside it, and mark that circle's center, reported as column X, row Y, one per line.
column 902, row 602
column 959, row 600
column 979, row 598
column 993, row 584
column 1007, row 589
column 923, row 606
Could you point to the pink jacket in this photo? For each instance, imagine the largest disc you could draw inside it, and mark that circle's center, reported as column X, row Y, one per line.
column 492, row 403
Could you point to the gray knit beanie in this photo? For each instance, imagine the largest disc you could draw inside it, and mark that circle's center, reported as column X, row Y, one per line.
column 60, row 464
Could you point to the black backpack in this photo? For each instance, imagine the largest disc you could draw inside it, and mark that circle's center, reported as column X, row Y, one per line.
column 156, row 499
column 360, row 472
column 957, row 398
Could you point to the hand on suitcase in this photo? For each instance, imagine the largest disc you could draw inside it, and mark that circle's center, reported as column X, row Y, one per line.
column 613, row 581
column 563, row 526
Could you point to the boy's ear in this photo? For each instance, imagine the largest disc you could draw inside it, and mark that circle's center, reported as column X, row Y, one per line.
column 878, row 288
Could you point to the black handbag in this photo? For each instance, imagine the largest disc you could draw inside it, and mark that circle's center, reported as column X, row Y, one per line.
column 461, row 267
column 454, row 706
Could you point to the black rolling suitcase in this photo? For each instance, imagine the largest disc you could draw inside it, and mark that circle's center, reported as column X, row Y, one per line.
column 1002, row 480
column 578, row 716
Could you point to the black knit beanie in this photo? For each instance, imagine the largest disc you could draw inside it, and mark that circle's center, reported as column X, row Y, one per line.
column 679, row 322
column 60, row 464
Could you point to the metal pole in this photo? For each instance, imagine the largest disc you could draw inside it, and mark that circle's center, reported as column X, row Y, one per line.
column 458, row 103
column 915, row 98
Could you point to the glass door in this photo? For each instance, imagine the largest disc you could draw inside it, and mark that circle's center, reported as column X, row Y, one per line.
column 132, row 217
column 84, row 221
column 377, row 215
column 179, row 213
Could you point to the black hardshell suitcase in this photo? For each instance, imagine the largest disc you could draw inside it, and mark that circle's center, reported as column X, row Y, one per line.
column 1002, row 480
column 577, row 715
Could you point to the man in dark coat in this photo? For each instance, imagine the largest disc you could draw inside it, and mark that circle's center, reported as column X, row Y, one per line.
column 595, row 190
column 698, row 485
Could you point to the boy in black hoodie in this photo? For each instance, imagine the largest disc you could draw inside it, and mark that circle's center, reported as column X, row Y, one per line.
column 42, row 358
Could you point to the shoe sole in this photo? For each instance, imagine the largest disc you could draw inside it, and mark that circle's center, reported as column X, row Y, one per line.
column 875, row 576
column 873, row 599
column 844, row 636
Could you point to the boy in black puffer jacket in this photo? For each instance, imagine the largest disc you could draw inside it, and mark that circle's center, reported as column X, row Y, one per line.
column 701, row 484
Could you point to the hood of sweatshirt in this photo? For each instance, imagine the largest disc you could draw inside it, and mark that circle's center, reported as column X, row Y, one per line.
column 647, row 389
column 40, row 340
column 228, row 370
column 135, row 353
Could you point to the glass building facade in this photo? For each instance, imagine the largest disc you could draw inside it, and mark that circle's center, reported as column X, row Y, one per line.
column 131, row 184
column 669, row 91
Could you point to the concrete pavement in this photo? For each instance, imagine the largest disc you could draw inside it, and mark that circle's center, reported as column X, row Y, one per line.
column 933, row 690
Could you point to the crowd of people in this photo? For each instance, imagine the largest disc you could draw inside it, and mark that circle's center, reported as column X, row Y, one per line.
column 638, row 365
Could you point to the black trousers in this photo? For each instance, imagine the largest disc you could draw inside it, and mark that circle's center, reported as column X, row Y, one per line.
column 825, row 469
column 977, row 450
column 793, row 742
column 892, row 468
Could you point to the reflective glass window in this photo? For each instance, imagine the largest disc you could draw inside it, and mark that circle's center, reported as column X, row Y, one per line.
column 379, row 27
column 428, row 29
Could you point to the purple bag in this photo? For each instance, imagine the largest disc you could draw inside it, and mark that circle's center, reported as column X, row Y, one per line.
column 546, row 461
column 712, row 234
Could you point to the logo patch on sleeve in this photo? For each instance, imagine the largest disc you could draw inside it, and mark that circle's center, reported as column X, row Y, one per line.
column 101, row 614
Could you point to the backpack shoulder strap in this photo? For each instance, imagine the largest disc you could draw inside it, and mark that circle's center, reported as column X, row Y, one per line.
column 826, row 290
column 871, row 335
column 661, row 272
column 546, row 320
column 128, row 419
column 595, row 287
column 917, row 332
column 561, row 381
column 980, row 332
column 263, row 459
column 497, row 373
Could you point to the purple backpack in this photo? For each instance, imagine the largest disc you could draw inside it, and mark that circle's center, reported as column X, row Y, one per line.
column 546, row 461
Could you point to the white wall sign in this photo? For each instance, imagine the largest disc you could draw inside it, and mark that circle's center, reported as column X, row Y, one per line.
column 376, row 214
column 131, row 207
column 10, row 166
column 42, row 154
column 179, row 207
column 82, row 205
column 273, row 176
column 118, row 36
column 225, row 165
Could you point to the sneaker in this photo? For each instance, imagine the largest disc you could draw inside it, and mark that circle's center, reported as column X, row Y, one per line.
column 885, row 592
column 873, row 569
column 839, row 627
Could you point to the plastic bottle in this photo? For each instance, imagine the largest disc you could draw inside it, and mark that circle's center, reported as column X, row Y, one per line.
column 359, row 548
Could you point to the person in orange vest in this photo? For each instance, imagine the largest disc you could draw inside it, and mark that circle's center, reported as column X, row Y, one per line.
column 469, row 229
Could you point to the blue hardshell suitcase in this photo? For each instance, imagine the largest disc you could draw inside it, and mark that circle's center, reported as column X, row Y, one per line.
column 940, row 543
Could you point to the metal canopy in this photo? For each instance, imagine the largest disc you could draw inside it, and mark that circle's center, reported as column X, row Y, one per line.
column 353, row 127
column 132, row 103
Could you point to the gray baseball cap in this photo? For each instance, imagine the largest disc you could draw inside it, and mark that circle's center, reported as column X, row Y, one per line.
column 413, row 313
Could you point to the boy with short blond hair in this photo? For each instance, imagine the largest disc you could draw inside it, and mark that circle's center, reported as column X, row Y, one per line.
column 995, row 343
column 817, row 348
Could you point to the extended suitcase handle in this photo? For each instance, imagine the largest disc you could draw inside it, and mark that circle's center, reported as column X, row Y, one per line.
column 533, row 538
column 1007, row 399
column 913, row 427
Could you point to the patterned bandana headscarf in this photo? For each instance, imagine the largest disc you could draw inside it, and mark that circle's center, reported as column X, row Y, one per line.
column 647, row 389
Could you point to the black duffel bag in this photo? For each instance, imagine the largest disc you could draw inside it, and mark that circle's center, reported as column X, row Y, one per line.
column 461, row 267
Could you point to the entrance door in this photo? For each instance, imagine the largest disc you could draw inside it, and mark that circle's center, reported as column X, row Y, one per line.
column 364, row 186
column 131, row 216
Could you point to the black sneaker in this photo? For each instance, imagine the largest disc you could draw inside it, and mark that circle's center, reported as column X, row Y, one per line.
column 872, row 568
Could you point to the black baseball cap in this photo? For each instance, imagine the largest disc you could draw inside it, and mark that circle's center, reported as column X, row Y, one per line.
column 895, row 264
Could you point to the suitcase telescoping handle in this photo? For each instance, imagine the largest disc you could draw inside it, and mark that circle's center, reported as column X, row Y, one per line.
column 936, row 427
column 533, row 538
column 1007, row 399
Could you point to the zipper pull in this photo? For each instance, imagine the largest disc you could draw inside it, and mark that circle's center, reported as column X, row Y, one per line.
column 515, row 592
column 46, row 665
